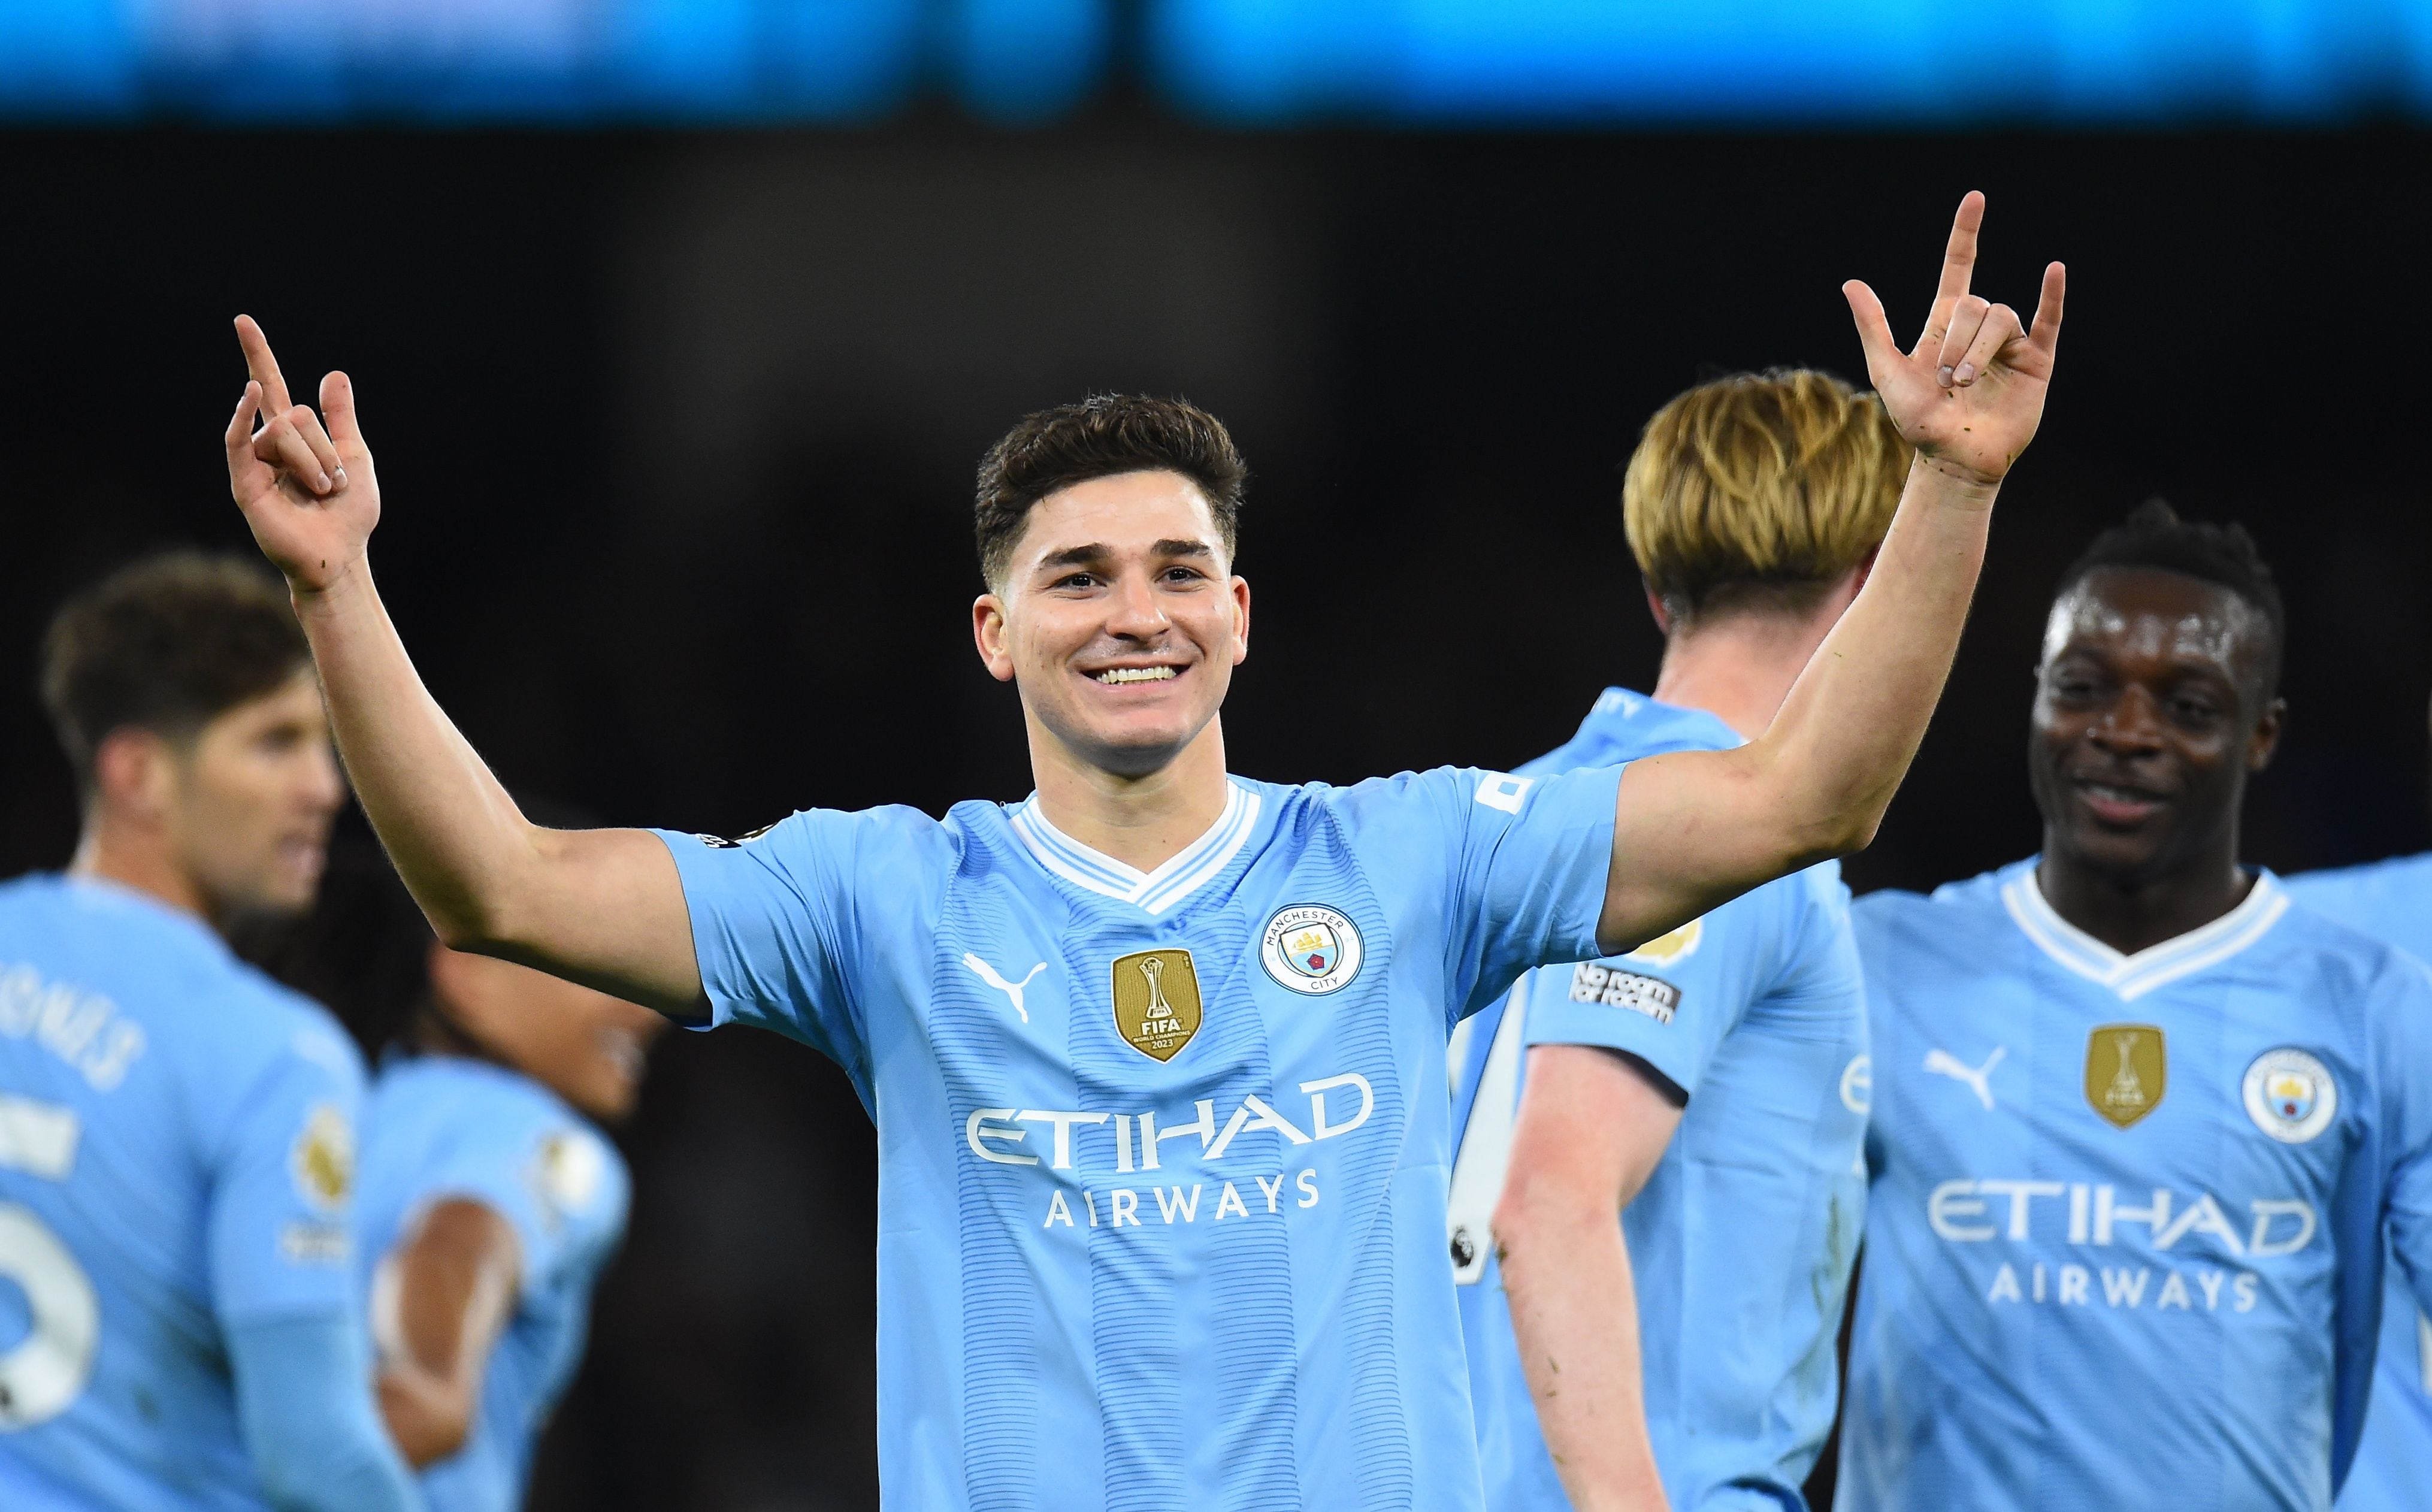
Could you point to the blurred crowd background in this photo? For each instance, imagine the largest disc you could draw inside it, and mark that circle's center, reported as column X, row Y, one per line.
column 679, row 326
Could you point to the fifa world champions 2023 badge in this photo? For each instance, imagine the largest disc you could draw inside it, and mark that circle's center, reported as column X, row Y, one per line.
column 2290, row 1095
column 1311, row 948
column 1157, row 1006
column 2127, row 1071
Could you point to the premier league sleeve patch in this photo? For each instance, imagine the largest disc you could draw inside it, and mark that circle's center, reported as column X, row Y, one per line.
column 2291, row 1094
column 1311, row 948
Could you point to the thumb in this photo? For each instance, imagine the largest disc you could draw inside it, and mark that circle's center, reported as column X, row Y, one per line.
column 338, row 410
column 1874, row 332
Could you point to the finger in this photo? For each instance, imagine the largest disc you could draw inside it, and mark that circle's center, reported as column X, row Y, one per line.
column 261, row 364
column 279, row 445
column 1959, row 256
column 1874, row 332
column 239, row 431
column 2000, row 328
column 338, row 409
column 2045, row 334
column 1966, row 319
column 308, row 425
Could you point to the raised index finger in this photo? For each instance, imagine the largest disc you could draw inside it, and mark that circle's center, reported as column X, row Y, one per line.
column 262, row 366
column 1958, row 259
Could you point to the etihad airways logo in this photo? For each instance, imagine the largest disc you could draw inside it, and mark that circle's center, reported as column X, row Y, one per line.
column 1974, row 1210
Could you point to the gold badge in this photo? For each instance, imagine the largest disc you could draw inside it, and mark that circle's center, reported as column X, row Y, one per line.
column 323, row 1158
column 1667, row 948
column 2126, row 1071
column 1156, row 1001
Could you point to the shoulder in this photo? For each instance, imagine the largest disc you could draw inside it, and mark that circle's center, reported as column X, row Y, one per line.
column 249, row 1030
column 479, row 1130
column 872, row 849
column 1447, row 795
column 2349, row 957
column 1953, row 918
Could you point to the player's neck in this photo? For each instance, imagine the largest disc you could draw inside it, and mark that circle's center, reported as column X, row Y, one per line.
column 1740, row 666
column 141, row 859
column 1142, row 822
column 2130, row 913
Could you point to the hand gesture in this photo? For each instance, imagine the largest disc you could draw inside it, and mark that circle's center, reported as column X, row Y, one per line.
column 1971, row 392
column 308, row 494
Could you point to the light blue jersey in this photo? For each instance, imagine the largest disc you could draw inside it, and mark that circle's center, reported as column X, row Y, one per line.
column 1741, row 1241
column 2393, row 901
column 440, row 1127
column 2125, row 1245
column 176, row 1155
column 1162, row 1155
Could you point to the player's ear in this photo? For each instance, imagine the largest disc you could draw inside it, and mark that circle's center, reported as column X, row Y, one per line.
column 1241, row 620
column 989, row 635
column 2265, row 741
column 1655, row 607
column 134, row 773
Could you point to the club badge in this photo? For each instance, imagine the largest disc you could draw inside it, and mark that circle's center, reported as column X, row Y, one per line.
column 1156, row 1001
column 1311, row 948
column 2127, row 1070
column 2291, row 1094
column 323, row 1158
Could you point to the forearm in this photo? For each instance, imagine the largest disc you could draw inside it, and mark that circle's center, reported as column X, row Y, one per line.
column 1575, row 1311
column 1837, row 752
column 457, row 840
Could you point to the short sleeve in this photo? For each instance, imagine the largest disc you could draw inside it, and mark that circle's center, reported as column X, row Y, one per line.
column 1518, row 864
column 281, row 1218
column 781, row 922
column 558, row 1184
column 1672, row 1001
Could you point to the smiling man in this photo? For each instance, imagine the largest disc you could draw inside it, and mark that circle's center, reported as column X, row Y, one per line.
column 1157, row 1055
column 2141, row 1125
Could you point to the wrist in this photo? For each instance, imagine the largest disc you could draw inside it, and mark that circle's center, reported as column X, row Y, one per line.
column 1955, row 483
column 350, row 584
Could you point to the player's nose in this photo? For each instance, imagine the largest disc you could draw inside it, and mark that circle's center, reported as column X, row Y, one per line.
column 2131, row 723
column 1136, row 611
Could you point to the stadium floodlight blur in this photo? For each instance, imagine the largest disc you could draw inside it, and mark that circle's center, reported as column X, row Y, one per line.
column 1248, row 62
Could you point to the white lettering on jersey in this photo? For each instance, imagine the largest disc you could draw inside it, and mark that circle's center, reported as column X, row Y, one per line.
column 83, row 1029
column 1963, row 1212
column 1976, row 1078
column 1011, row 990
column 1500, row 790
column 38, row 1138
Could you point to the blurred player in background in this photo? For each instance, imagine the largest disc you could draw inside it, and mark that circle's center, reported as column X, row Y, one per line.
column 2392, row 1472
column 491, row 1200
column 1710, row 1085
column 176, row 1132
column 2141, row 1127
column 1157, row 1057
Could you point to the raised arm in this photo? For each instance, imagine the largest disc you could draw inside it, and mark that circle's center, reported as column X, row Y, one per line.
column 1695, row 829
column 601, row 907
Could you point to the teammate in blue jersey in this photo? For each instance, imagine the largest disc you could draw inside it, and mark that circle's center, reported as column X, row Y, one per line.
column 490, row 1198
column 1156, row 1056
column 176, row 1132
column 2390, row 900
column 2142, row 1128
column 1710, row 1085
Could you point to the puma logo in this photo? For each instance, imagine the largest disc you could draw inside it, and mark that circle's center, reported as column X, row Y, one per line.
column 1979, row 1078
column 1011, row 990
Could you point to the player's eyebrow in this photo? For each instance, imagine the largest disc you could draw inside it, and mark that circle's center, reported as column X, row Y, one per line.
column 1096, row 552
column 1184, row 549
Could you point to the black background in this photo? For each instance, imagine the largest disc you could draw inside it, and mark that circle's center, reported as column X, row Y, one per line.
column 676, row 432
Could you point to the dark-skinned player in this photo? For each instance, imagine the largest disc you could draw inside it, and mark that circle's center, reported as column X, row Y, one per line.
column 2142, row 1125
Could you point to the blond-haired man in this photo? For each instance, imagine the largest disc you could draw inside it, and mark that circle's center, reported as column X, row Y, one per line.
column 1713, row 1084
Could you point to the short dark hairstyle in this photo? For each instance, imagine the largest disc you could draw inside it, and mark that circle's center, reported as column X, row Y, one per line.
column 1101, row 437
column 167, row 643
column 2155, row 538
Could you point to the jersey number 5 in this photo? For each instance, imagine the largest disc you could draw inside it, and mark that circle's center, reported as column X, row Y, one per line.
column 48, row 1367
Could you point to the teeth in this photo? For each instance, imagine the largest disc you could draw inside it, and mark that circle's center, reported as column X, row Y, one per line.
column 1136, row 674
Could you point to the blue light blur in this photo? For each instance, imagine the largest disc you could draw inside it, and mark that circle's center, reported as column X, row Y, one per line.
column 1247, row 62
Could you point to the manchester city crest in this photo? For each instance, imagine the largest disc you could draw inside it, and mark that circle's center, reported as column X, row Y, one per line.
column 2291, row 1094
column 1311, row 948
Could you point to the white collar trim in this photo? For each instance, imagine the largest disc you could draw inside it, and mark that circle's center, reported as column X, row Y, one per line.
column 2132, row 976
column 1154, row 891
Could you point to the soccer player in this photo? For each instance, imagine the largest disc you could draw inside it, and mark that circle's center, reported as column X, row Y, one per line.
column 176, row 1132
column 2393, row 901
column 490, row 1198
column 1710, row 1085
column 1156, row 1056
column 2142, row 1128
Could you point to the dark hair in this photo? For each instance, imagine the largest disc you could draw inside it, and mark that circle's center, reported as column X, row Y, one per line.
column 2155, row 538
column 1101, row 437
column 363, row 950
column 167, row 644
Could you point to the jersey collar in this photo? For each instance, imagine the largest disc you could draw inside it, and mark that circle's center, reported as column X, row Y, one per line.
column 1154, row 891
column 2132, row 976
